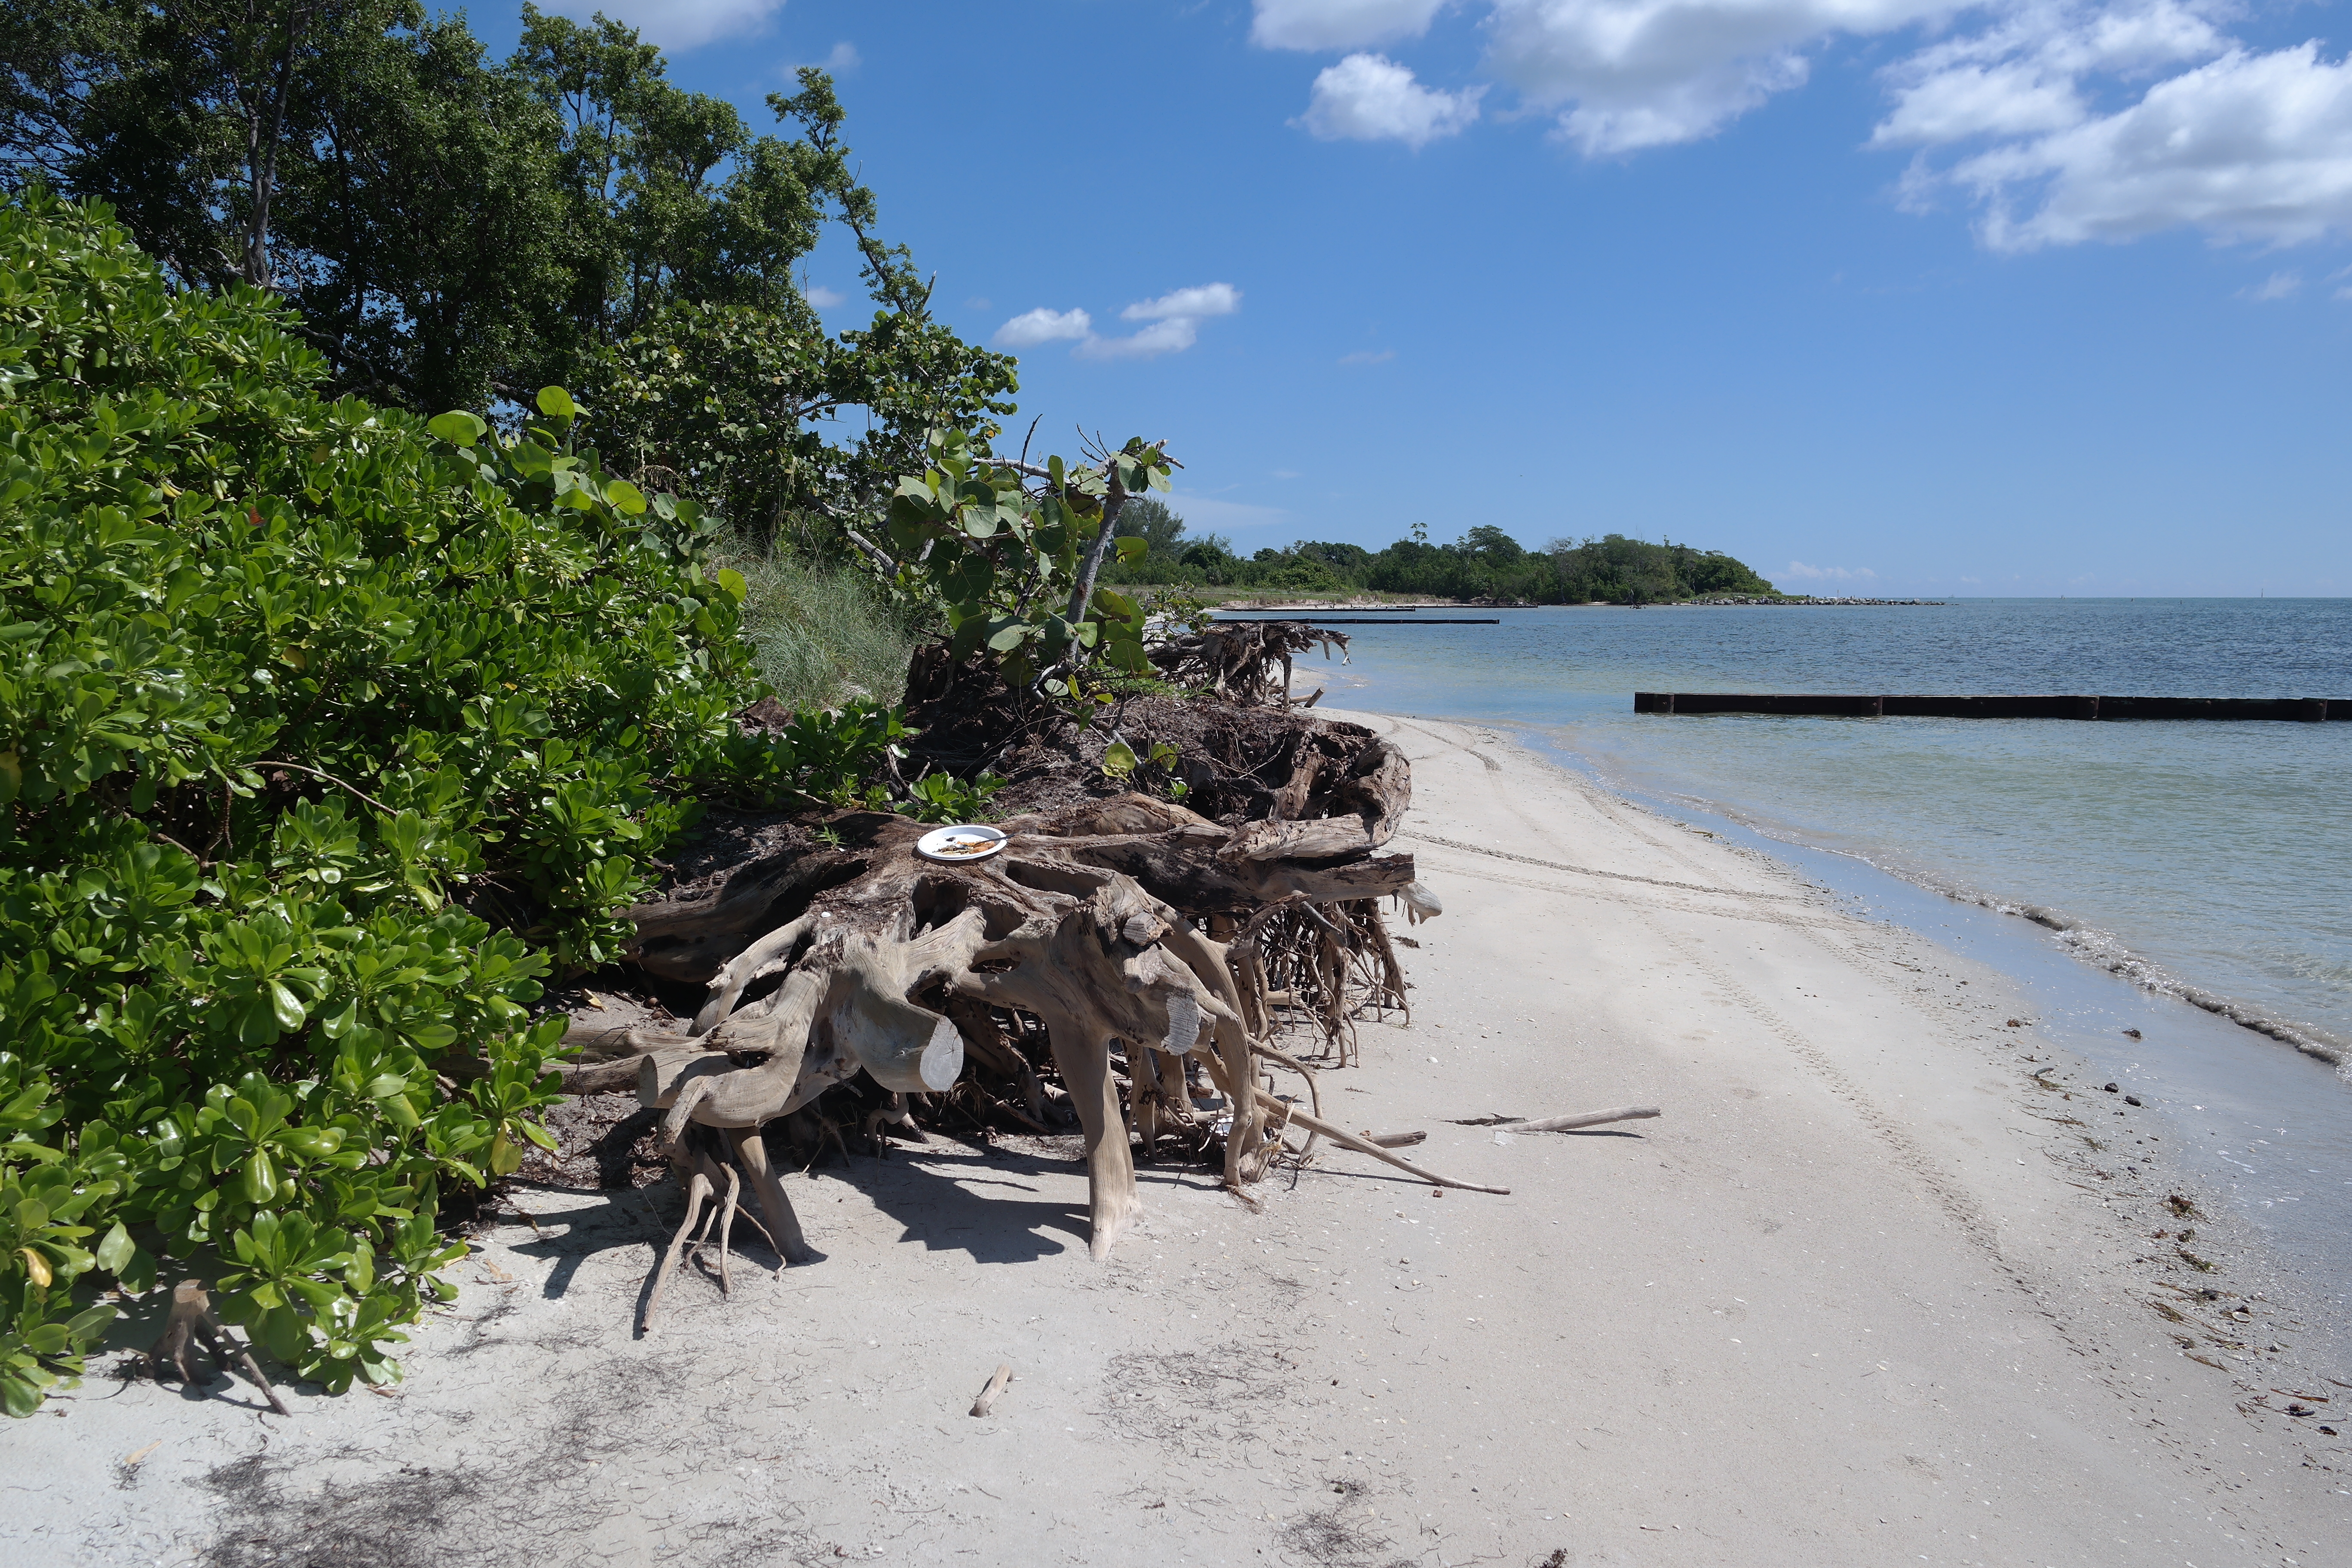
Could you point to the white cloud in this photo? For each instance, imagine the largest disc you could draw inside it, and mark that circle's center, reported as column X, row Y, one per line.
column 1174, row 324
column 1041, row 325
column 1173, row 335
column 1622, row 74
column 1365, row 356
column 2242, row 143
column 1805, row 573
column 2011, row 99
column 678, row 24
column 1370, row 97
column 1627, row 74
column 1203, row 300
column 844, row 59
column 2249, row 146
column 2245, row 145
column 2021, row 76
column 2277, row 286
column 1339, row 24
column 824, row 298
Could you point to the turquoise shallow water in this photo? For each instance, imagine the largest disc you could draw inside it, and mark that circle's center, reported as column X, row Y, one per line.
column 2214, row 858
column 2211, row 856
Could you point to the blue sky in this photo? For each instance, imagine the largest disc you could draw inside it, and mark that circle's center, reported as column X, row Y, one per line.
column 1882, row 296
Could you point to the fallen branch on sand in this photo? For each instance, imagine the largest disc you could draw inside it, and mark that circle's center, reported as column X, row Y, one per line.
column 1560, row 1124
column 996, row 1382
column 1366, row 1146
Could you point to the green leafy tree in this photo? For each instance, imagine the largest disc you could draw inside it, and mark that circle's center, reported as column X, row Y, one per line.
column 1012, row 552
column 189, row 114
column 354, row 155
column 709, row 368
column 1713, row 571
column 1170, row 556
column 666, row 196
column 1636, row 572
column 1152, row 520
column 416, row 235
column 1209, row 549
column 456, row 233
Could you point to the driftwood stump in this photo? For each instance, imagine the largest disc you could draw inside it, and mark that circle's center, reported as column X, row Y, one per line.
column 1152, row 952
column 1091, row 919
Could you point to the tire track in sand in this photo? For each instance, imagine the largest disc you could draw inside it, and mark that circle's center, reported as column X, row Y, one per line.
column 1627, row 899
column 1947, row 1191
column 1908, row 1154
column 1826, row 934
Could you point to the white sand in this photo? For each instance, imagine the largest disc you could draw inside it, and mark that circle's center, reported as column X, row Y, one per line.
column 1848, row 1301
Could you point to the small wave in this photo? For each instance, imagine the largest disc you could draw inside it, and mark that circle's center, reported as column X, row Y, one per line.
column 2101, row 948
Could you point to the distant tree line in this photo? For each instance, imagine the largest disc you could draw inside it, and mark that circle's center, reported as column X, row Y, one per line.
column 1484, row 563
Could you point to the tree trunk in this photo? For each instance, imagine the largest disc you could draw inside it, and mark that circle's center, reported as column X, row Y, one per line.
column 1092, row 566
column 262, row 142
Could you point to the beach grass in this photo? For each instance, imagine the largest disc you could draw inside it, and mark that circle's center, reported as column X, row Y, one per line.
column 825, row 632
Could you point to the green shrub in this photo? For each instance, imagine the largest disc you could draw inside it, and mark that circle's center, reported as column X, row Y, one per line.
column 324, row 738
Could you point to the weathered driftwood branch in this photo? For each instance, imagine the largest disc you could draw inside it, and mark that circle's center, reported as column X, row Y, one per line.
column 1366, row 1146
column 1567, row 1123
column 996, row 1382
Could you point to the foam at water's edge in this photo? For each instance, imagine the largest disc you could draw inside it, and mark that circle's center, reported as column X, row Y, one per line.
column 2103, row 949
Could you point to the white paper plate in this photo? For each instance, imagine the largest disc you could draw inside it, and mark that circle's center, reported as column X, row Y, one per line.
column 959, row 845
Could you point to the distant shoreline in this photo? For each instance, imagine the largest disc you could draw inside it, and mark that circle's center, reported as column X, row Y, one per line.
column 1360, row 602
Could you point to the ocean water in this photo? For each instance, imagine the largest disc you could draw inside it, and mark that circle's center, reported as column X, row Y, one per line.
column 2212, row 856
column 2161, row 860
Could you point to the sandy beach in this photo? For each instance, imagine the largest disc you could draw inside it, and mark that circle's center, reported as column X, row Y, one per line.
column 1889, row 1281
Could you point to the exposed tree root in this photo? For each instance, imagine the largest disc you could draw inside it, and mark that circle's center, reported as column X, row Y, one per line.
column 1247, row 663
column 1081, row 924
column 192, row 1321
column 1120, row 958
column 697, row 1190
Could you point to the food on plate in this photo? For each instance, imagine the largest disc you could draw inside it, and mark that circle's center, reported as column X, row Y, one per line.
column 965, row 844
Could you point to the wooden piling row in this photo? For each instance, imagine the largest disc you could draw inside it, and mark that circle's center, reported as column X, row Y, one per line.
column 2302, row 710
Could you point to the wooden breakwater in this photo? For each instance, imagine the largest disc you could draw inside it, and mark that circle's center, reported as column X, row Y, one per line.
column 1369, row 620
column 2302, row 710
